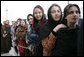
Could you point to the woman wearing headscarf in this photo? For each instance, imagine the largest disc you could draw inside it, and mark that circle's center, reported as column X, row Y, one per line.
column 38, row 20
column 21, row 32
column 46, row 31
column 6, row 37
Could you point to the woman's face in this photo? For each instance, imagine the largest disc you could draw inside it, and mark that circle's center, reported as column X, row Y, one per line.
column 30, row 18
column 7, row 22
column 23, row 23
column 18, row 22
column 73, row 15
column 38, row 13
column 55, row 13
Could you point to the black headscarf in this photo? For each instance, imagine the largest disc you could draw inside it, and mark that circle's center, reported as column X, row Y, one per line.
column 50, row 25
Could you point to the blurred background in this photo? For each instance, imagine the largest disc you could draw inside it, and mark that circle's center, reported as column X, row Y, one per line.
column 12, row 10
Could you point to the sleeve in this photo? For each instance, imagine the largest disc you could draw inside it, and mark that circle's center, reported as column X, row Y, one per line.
column 54, row 33
column 48, row 44
column 51, row 41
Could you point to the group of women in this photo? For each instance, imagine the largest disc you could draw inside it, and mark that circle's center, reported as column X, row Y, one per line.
column 55, row 36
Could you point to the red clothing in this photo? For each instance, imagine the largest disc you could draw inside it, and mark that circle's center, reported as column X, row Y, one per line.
column 21, row 50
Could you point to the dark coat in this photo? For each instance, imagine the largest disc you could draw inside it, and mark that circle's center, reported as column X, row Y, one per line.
column 6, row 41
column 66, row 42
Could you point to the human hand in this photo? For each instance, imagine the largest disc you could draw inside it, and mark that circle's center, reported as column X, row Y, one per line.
column 58, row 27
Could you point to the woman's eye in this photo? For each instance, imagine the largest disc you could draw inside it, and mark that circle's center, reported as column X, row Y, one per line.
column 53, row 11
column 71, row 12
column 77, row 12
column 58, row 11
column 35, row 13
column 39, row 12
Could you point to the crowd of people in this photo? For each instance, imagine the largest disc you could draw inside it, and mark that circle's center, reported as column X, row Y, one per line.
column 59, row 35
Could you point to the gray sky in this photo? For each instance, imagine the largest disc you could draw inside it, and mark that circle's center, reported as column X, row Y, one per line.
column 20, row 9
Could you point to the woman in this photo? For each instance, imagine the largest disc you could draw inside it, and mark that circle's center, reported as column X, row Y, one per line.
column 38, row 20
column 13, row 37
column 21, row 37
column 24, row 23
column 30, row 46
column 66, row 43
column 18, row 23
column 6, row 37
column 48, row 39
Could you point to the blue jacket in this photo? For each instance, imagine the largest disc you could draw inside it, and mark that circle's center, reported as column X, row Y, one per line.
column 12, row 31
column 33, row 37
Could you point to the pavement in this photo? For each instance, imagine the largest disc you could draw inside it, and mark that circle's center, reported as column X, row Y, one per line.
column 10, row 53
column 6, row 54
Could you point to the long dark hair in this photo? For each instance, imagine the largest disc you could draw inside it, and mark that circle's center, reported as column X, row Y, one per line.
column 28, row 16
column 66, row 11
